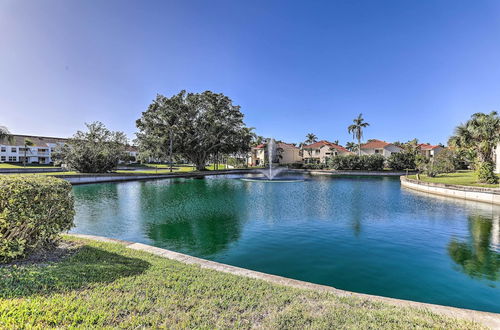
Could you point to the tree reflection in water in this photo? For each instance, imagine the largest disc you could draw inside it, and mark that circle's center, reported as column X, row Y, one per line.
column 478, row 257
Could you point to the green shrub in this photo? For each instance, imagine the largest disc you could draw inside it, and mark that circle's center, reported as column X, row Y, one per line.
column 402, row 160
column 314, row 166
column 33, row 211
column 355, row 162
column 485, row 173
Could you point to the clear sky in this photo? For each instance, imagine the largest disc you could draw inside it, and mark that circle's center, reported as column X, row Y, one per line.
column 414, row 68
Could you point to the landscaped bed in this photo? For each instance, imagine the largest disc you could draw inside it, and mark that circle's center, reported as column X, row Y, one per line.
column 106, row 284
column 463, row 178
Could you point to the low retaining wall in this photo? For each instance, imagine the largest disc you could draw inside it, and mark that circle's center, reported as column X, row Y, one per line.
column 102, row 178
column 491, row 320
column 357, row 173
column 29, row 170
column 478, row 194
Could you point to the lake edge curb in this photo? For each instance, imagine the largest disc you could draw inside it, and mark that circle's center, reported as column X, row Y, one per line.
column 491, row 320
column 470, row 193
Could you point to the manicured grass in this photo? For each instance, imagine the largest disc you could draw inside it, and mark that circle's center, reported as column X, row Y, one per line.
column 107, row 285
column 464, row 178
column 161, row 170
column 6, row 165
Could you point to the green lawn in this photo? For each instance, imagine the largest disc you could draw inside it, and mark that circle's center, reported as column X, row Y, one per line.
column 107, row 285
column 464, row 178
column 6, row 165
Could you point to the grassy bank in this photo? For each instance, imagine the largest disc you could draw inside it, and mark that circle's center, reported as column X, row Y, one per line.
column 107, row 285
column 20, row 166
column 463, row 178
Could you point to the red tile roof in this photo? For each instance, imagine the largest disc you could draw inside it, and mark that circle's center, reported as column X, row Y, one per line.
column 322, row 143
column 375, row 144
column 278, row 145
column 426, row 146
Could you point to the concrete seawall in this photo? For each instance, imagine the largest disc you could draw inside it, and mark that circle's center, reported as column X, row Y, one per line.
column 491, row 320
column 478, row 194
column 102, row 178
column 23, row 170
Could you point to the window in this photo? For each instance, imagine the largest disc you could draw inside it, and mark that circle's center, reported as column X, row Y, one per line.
column 377, row 151
column 3, row 149
column 13, row 149
column 12, row 159
column 3, row 158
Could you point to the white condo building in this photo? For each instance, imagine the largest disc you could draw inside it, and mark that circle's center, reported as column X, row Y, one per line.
column 12, row 151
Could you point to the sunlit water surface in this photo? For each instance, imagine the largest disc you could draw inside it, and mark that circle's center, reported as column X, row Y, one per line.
column 367, row 235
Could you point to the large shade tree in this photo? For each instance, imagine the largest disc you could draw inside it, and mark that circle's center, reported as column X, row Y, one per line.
column 480, row 135
column 356, row 129
column 196, row 126
column 97, row 150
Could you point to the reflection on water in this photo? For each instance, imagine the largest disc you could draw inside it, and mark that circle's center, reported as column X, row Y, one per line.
column 360, row 234
column 478, row 256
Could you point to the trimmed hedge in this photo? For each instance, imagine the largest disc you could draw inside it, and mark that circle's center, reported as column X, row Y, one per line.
column 402, row 161
column 355, row 162
column 33, row 211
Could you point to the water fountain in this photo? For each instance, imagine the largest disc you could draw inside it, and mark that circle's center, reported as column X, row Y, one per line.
column 271, row 172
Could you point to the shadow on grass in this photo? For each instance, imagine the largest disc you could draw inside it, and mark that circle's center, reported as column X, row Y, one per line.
column 88, row 266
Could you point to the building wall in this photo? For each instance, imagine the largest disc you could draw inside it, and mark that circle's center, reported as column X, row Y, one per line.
column 385, row 151
column 290, row 156
column 321, row 154
column 34, row 155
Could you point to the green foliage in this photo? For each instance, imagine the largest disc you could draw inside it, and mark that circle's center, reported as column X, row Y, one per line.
column 356, row 129
column 5, row 134
column 356, row 162
column 96, row 151
column 402, row 160
column 446, row 161
column 195, row 126
column 486, row 174
column 33, row 211
column 475, row 257
column 106, row 285
column 314, row 166
column 478, row 138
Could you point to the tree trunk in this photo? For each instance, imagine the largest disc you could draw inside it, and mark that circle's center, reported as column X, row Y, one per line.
column 170, row 151
column 359, row 147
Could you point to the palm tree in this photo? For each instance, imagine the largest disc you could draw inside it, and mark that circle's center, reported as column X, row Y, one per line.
column 27, row 143
column 356, row 130
column 351, row 146
column 481, row 134
column 5, row 134
column 311, row 138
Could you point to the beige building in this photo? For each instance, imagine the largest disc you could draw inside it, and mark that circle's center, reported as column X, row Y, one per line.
column 285, row 154
column 380, row 147
column 319, row 152
column 429, row 151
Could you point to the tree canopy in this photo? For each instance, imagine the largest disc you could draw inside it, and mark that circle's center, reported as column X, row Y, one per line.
column 356, row 129
column 97, row 150
column 195, row 126
column 479, row 136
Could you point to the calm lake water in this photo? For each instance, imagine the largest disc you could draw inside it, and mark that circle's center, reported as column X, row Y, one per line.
column 366, row 235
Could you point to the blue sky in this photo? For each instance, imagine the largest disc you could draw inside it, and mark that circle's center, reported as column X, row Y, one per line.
column 414, row 68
